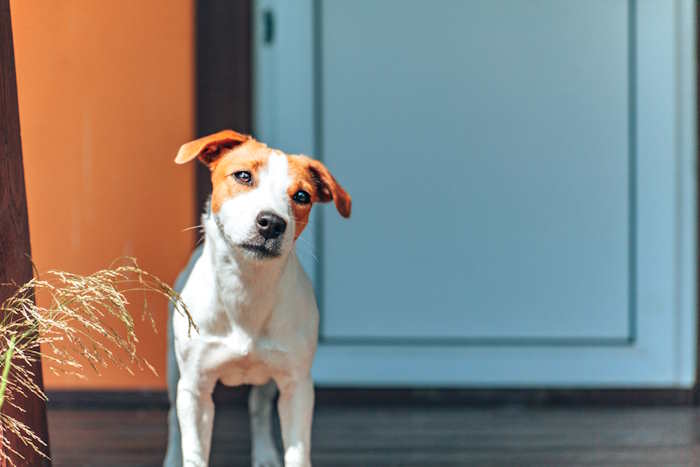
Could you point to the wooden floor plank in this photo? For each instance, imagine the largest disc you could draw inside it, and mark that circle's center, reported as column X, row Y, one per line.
column 409, row 436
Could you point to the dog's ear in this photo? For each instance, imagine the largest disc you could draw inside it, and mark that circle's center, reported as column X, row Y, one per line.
column 328, row 188
column 209, row 148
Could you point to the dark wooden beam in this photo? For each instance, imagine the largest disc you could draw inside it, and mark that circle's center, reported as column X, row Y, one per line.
column 223, row 77
column 696, row 391
column 14, row 230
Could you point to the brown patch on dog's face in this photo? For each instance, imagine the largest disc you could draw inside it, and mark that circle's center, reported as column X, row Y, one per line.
column 311, row 176
column 249, row 157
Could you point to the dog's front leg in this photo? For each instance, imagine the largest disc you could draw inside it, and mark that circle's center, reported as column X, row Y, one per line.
column 195, row 411
column 260, row 403
column 296, row 406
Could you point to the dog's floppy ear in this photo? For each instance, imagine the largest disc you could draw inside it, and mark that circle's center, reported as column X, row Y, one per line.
column 209, row 148
column 329, row 189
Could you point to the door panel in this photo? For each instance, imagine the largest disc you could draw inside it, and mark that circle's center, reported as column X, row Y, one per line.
column 522, row 182
column 490, row 180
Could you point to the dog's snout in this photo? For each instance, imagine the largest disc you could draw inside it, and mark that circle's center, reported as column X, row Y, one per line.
column 270, row 225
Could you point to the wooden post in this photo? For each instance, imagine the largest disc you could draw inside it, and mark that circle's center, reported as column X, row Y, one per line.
column 14, row 229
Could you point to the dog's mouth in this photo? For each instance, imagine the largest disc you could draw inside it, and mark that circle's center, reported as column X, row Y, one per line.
column 258, row 247
column 266, row 249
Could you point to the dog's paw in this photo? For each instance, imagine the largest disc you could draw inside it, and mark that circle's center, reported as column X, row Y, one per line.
column 266, row 459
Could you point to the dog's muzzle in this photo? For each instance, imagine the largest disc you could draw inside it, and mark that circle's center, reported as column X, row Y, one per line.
column 267, row 243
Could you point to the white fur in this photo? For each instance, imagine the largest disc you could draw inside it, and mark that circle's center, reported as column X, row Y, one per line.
column 258, row 324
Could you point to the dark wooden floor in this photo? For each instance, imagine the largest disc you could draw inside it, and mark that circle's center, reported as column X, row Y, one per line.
column 375, row 436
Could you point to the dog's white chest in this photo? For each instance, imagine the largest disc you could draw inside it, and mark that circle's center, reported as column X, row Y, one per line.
column 247, row 335
column 239, row 359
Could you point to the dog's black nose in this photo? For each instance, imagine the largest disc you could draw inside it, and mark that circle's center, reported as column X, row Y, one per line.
column 270, row 225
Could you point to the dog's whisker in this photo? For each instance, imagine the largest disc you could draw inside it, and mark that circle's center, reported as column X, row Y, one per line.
column 308, row 247
column 200, row 240
column 309, row 251
column 305, row 241
column 200, row 226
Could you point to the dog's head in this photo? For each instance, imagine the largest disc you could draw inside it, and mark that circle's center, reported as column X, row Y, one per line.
column 262, row 197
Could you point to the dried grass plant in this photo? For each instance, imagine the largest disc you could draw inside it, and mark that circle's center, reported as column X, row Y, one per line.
column 86, row 322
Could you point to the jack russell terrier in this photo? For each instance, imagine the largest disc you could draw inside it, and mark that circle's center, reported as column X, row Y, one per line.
column 249, row 296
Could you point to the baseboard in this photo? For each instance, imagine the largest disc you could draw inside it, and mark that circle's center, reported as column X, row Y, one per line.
column 97, row 399
column 514, row 396
column 60, row 399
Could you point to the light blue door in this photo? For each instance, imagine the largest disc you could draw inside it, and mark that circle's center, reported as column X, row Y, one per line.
column 522, row 182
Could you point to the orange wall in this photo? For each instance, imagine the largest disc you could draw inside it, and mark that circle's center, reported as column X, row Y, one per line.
column 105, row 100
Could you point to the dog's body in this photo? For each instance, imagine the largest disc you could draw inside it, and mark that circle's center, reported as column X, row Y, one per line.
column 250, row 298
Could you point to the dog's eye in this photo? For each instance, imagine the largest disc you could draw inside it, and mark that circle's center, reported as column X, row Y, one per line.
column 302, row 197
column 243, row 177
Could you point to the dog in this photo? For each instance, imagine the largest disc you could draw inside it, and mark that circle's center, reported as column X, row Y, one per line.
column 252, row 302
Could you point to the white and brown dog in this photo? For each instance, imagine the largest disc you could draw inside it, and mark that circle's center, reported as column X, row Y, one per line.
column 249, row 296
